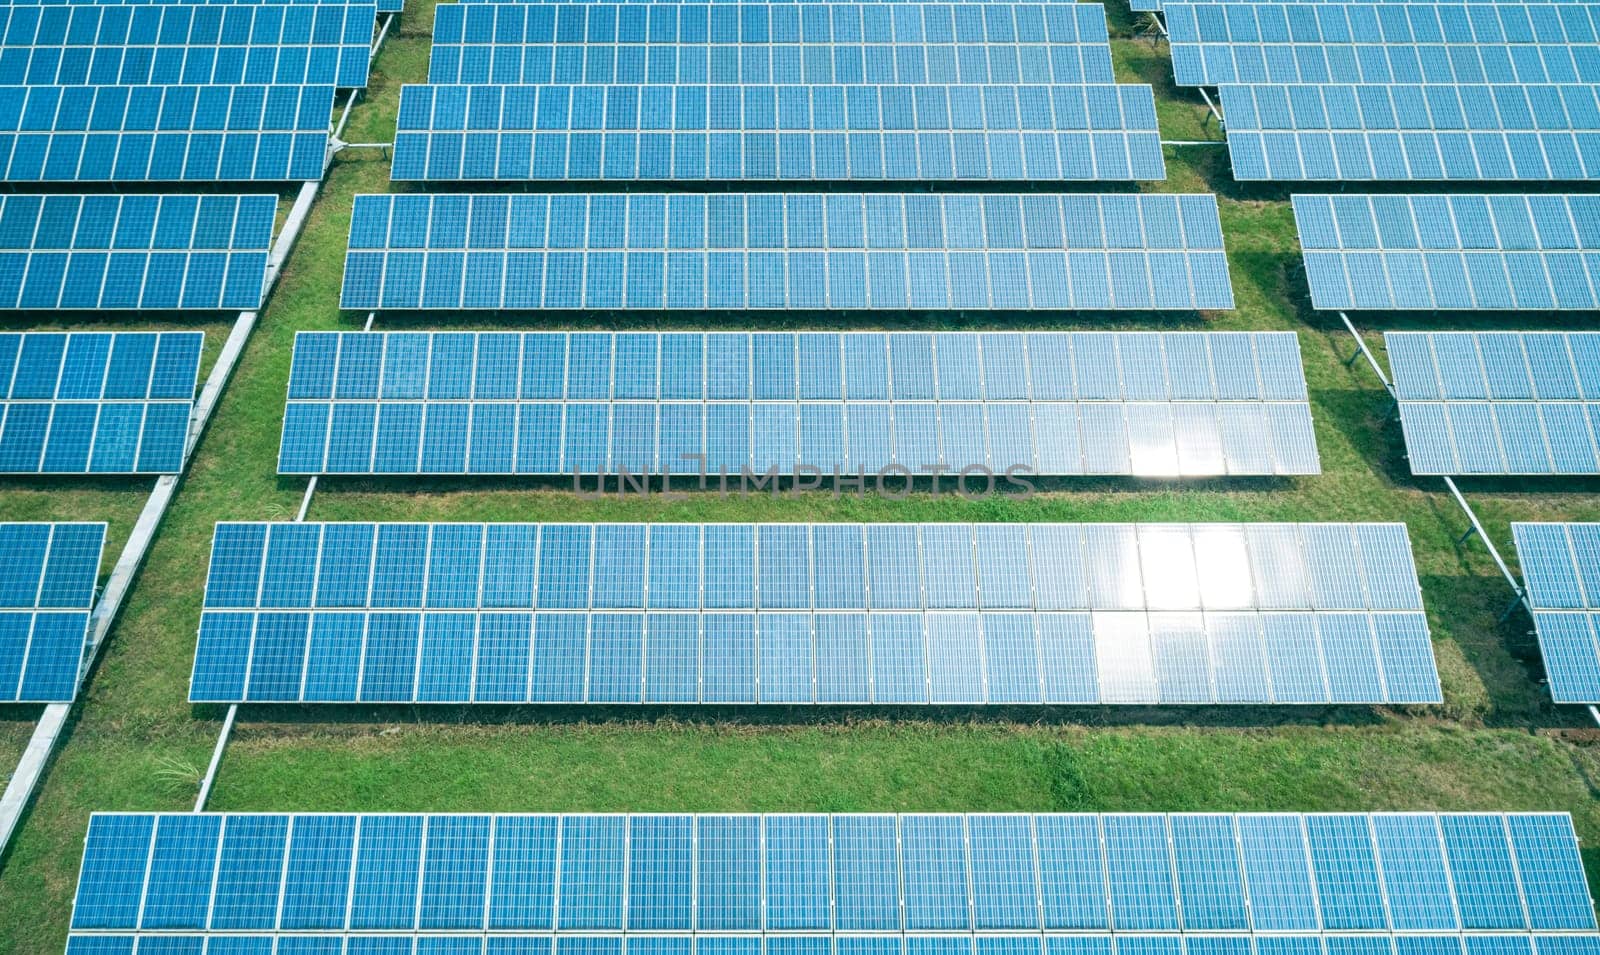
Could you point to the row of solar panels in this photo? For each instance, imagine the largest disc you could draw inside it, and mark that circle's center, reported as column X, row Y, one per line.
column 859, row 403
column 787, row 875
column 885, row 614
column 1561, row 566
column 47, row 586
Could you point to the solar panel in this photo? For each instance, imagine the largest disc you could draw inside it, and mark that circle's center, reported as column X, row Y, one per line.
column 1561, row 565
column 125, row 252
column 163, row 133
column 96, row 402
column 1409, row 131
column 770, row 251
column 1480, row 252
column 1444, row 43
column 1147, row 6
column 1000, row 884
column 777, row 132
column 818, row 43
column 1498, row 402
column 196, row 44
column 384, row 6
column 813, row 614
column 47, row 583
column 860, row 403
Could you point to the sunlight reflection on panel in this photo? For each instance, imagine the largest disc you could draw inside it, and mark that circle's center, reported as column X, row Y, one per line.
column 1182, row 658
column 1199, row 440
column 1167, row 559
column 1152, row 449
column 1122, row 653
column 1112, row 554
column 1279, row 566
column 1223, row 565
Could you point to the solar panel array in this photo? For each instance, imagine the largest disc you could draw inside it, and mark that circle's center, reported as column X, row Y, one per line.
column 796, row 250
column 1269, row 42
column 908, row 43
column 1561, row 566
column 841, row 404
column 790, row 132
column 803, row 614
column 803, row 884
column 125, row 252
column 96, row 402
column 47, row 583
column 1498, row 402
column 128, row 45
column 1409, row 131
column 1482, row 252
column 163, row 133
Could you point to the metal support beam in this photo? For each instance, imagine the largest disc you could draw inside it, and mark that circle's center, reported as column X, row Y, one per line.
column 1594, row 714
column 216, row 758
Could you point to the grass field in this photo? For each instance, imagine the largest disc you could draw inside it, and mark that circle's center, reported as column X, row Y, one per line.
column 135, row 744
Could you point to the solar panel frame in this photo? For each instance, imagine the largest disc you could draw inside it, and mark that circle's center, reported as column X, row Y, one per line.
column 1482, row 252
column 186, row 252
column 534, row 403
column 96, row 402
column 572, row 878
column 1275, row 42
column 1496, row 402
column 1558, row 562
column 765, row 634
column 1359, row 132
column 126, row 45
column 652, row 251
column 792, row 132
column 164, row 133
column 47, row 590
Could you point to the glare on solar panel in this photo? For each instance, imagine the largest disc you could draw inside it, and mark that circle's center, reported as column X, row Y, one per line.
column 904, row 883
column 836, row 251
column 96, row 402
column 283, row 603
column 1521, row 403
column 47, row 587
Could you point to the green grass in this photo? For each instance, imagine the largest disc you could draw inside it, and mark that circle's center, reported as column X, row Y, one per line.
column 135, row 744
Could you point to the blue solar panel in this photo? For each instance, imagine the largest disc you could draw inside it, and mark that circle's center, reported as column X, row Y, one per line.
column 124, row 252
column 648, row 881
column 863, row 403
column 811, row 43
column 1467, row 132
column 195, row 44
column 772, row 251
column 96, row 402
column 1220, row 613
column 1154, row 5
column 1498, row 402
column 163, row 133
column 751, row 132
column 1480, row 252
column 1445, row 43
column 1561, row 565
column 47, row 583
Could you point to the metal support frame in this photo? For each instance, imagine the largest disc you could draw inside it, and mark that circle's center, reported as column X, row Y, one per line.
column 47, row 732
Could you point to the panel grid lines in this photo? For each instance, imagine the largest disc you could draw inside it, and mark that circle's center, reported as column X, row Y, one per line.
column 1522, row 403
column 850, row 403
column 47, row 588
column 836, row 251
column 614, row 880
column 929, row 613
column 1561, row 565
column 1436, row 131
column 127, row 45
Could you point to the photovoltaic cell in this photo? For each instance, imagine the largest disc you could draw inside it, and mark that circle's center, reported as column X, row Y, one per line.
column 838, row 403
column 1561, row 565
column 950, row 613
column 1498, row 402
column 1443, row 43
column 163, row 133
column 1473, row 132
column 125, row 252
column 129, row 45
column 764, row 132
column 625, row 883
column 96, row 402
column 797, row 250
column 47, row 585
column 808, row 43
column 1480, row 252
